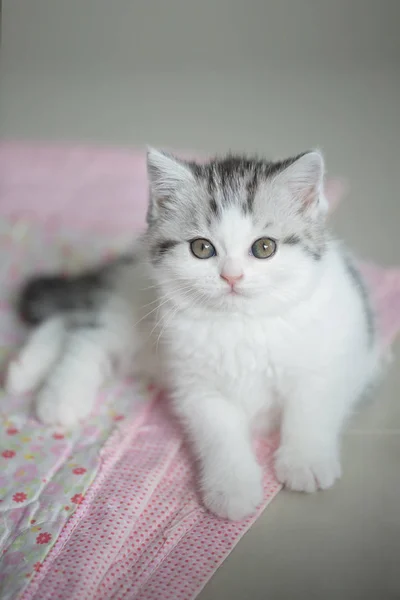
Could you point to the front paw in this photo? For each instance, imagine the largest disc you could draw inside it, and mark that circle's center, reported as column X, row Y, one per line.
column 18, row 379
column 234, row 493
column 63, row 406
column 302, row 471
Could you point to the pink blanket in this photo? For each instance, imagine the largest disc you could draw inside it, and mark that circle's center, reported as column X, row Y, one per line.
column 113, row 511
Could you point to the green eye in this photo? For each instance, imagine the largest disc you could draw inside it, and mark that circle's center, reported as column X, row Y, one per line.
column 263, row 248
column 202, row 248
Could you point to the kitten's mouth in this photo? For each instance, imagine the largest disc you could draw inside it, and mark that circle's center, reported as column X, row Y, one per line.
column 234, row 292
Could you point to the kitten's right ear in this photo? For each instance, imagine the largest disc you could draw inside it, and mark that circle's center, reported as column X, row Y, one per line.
column 167, row 176
column 304, row 179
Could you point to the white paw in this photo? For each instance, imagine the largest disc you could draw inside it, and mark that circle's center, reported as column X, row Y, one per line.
column 56, row 406
column 300, row 474
column 236, row 494
column 18, row 378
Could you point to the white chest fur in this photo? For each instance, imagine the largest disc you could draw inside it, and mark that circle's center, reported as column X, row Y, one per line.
column 232, row 354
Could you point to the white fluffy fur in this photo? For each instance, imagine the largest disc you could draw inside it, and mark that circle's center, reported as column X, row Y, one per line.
column 292, row 339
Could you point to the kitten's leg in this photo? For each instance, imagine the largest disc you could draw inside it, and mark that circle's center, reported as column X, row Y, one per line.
column 230, row 477
column 36, row 358
column 309, row 454
column 69, row 392
column 90, row 354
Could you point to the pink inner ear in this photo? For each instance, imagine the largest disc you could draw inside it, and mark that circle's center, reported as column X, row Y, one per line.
column 335, row 191
column 308, row 197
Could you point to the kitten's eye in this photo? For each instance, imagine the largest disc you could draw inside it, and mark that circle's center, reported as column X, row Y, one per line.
column 202, row 248
column 263, row 248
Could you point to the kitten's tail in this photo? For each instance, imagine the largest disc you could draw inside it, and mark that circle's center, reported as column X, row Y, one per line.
column 47, row 296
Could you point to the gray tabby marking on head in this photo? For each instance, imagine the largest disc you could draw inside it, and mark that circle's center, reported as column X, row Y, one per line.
column 313, row 250
column 225, row 176
column 161, row 248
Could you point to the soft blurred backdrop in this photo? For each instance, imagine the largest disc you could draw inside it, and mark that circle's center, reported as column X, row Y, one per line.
column 274, row 77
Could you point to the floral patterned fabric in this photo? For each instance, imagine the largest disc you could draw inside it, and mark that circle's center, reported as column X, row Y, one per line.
column 45, row 473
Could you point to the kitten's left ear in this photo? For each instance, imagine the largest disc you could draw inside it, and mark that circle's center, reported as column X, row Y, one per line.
column 166, row 172
column 168, row 177
column 304, row 179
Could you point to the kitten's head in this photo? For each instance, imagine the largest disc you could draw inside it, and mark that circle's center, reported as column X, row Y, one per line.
column 236, row 233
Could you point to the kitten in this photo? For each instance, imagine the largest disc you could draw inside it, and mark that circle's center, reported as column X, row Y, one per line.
column 239, row 302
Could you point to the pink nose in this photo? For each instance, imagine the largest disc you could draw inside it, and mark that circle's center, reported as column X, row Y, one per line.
column 232, row 279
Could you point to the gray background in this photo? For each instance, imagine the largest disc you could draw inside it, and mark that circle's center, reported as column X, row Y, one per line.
column 270, row 76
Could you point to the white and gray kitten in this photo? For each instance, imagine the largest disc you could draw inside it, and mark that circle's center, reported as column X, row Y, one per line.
column 236, row 300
